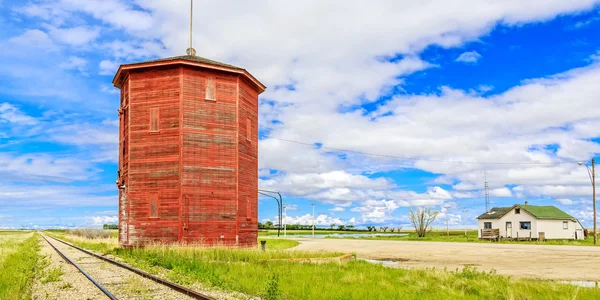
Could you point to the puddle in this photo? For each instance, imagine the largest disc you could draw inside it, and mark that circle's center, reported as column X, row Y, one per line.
column 345, row 235
column 589, row 284
column 380, row 261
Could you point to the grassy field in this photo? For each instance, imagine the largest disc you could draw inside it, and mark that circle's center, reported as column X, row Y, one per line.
column 250, row 272
column 471, row 237
column 19, row 257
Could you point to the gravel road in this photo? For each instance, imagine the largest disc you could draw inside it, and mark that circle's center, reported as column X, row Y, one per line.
column 524, row 261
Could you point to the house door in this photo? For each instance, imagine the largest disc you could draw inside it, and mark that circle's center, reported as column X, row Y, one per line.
column 579, row 234
column 508, row 229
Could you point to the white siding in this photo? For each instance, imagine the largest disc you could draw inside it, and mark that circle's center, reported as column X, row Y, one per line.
column 553, row 229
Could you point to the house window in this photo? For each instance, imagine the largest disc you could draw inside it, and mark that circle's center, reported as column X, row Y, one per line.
column 248, row 129
column 154, row 119
column 487, row 225
column 525, row 225
column 154, row 205
column 517, row 211
column 211, row 93
column 565, row 225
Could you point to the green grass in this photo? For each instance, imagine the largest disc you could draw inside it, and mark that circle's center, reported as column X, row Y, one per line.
column 18, row 268
column 471, row 237
column 53, row 275
column 248, row 272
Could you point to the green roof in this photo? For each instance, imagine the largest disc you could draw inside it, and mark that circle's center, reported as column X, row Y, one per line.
column 539, row 212
column 494, row 213
column 546, row 212
column 190, row 58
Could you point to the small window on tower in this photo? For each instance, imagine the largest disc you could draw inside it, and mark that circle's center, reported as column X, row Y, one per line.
column 211, row 88
column 248, row 129
column 154, row 119
column 154, row 205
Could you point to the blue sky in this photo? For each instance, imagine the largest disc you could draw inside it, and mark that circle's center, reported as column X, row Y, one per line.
column 440, row 94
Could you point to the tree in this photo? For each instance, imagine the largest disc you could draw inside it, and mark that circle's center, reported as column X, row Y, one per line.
column 384, row 229
column 392, row 229
column 332, row 226
column 350, row 227
column 340, row 227
column 269, row 225
column 421, row 219
column 371, row 228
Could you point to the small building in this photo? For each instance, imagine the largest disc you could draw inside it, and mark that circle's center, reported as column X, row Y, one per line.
column 530, row 221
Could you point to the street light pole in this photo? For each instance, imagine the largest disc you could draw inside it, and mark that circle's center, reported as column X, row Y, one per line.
column 592, row 174
column 313, row 221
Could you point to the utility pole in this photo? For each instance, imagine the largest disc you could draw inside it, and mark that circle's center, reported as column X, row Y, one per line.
column 313, row 221
column 284, row 222
column 592, row 174
column 446, row 213
column 464, row 216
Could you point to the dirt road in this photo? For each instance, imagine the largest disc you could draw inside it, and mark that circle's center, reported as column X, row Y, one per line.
column 533, row 261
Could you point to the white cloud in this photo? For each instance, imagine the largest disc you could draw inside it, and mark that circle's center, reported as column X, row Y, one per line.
column 11, row 114
column 307, row 220
column 337, row 209
column 501, row 192
column 469, row 57
column 75, row 63
column 74, row 36
column 108, row 67
column 565, row 201
column 101, row 220
column 373, row 211
column 33, row 38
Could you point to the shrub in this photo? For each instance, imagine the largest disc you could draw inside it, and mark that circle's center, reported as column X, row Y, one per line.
column 91, row 233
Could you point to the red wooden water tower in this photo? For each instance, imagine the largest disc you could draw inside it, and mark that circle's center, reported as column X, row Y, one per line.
column 188, row 152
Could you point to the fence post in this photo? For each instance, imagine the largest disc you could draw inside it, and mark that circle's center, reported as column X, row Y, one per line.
column 263, row 245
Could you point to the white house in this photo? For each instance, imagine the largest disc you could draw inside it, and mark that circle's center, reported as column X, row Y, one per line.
column 529, row 220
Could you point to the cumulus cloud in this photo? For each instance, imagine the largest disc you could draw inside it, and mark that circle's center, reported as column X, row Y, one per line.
column 108, row 67
column 101, row 220
column 469, row 57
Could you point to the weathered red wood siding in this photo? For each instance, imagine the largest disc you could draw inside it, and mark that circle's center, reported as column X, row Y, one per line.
column 194, row 179
column 247, row 163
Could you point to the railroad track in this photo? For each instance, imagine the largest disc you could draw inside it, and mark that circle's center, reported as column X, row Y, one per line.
column 170, row 285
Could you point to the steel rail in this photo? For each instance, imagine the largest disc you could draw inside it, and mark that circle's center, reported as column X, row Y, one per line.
column 172, row 285
column 96, row 283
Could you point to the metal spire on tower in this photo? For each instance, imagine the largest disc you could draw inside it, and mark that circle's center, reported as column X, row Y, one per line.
column 191, row 51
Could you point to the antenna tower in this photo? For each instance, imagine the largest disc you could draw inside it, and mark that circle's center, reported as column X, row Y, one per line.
column 487, row 192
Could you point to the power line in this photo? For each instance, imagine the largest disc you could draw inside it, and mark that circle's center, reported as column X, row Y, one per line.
column 422, row 159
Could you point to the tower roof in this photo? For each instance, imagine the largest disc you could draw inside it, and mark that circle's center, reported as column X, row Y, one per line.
column 191, row 60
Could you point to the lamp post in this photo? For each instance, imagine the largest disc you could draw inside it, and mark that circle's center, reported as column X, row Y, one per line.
column 592, row 174
column 279, row 203
column 313, row 221
column 284, row 223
